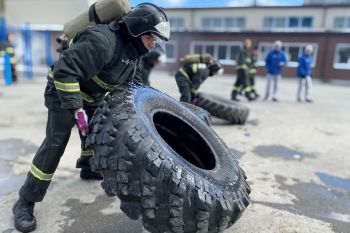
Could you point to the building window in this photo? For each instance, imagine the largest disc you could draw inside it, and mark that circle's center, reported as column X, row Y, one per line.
column 341, row 22
column 171, row 51
column 342, row 57
column 306, row 22
column 287, row 22
column 176, row 23
column 223, row 51
column 292, row 50
column 223, row 23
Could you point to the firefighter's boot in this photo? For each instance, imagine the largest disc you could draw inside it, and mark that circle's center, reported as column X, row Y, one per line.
column 24, row 219
column 248, row 95
column 234, row 94
column 255, row 94
column 86, row 173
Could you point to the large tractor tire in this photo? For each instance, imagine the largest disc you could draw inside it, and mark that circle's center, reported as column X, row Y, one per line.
column 165, row 164
column 231, row 111
column 204, row 115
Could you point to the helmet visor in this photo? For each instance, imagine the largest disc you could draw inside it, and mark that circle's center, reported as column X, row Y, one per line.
column 159, row 43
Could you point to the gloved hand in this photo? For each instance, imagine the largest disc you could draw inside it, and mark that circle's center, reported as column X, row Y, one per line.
column 194, row 100
column 82, row 121
column 194, row 97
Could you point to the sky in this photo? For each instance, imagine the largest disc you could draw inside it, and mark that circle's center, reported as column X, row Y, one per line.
column 218, row 3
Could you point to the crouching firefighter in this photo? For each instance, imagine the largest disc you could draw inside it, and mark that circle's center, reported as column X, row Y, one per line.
column 191, row 75
column 100, row 59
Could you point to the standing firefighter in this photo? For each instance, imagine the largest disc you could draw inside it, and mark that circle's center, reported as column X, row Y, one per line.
column 150, row 60
column 252, row 73
column 100, row 59
column 191, row 75
column 242, row 68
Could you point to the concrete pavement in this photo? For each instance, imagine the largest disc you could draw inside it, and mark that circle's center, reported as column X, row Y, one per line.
column 296, row 156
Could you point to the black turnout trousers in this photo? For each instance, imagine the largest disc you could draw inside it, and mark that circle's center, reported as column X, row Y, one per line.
column 58, row 130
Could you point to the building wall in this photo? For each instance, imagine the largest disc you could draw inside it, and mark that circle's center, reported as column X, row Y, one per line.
column 255, row 15
column 186, row 15
column 325, row 42
column 43, row 11
column 332, row 13
column 327, row 67
column 49, row 12
column 2, row 8
column 307, row 2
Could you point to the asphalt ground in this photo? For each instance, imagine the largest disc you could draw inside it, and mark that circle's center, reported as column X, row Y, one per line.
column 296, row 156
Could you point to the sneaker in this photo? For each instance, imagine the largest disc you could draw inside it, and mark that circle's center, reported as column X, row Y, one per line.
column 275, row 100
column 309, row 100
column 24, row 219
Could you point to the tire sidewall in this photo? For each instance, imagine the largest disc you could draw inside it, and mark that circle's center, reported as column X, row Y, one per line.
column 149, row 101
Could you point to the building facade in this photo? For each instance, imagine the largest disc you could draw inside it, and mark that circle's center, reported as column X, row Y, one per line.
column 325, row 2
column 219, row 31
column 44, row 19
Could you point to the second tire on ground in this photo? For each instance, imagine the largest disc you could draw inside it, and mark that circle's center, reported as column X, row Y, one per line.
column 231, row 111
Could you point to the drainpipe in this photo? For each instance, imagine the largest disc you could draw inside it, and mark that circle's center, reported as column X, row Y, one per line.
column 27, row 53
column 324, row 57
column 49, row 61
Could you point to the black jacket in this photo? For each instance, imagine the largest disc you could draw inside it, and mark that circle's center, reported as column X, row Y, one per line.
column 99, row 60
column 243, row 60
column 195, row 74
column 191, row 75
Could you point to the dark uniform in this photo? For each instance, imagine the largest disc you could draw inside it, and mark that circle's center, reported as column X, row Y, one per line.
column 251, row 75
column 148, row 62
column 72, row 85
column 100, row 59
column 189, row 77
column 242, row 82
column 7, row 47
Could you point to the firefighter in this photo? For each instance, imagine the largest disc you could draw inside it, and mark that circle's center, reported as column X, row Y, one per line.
column 191, row 75
column 150, row 60
column 6, row 47
column 242, row 68
column 100, row 59
column 252, row 73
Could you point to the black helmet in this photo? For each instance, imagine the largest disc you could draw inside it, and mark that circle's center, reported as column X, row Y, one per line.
column 147, row 18
column 214, row 67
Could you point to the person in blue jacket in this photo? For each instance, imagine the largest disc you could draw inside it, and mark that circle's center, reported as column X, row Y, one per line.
column 304, row 73
column 274, row 63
